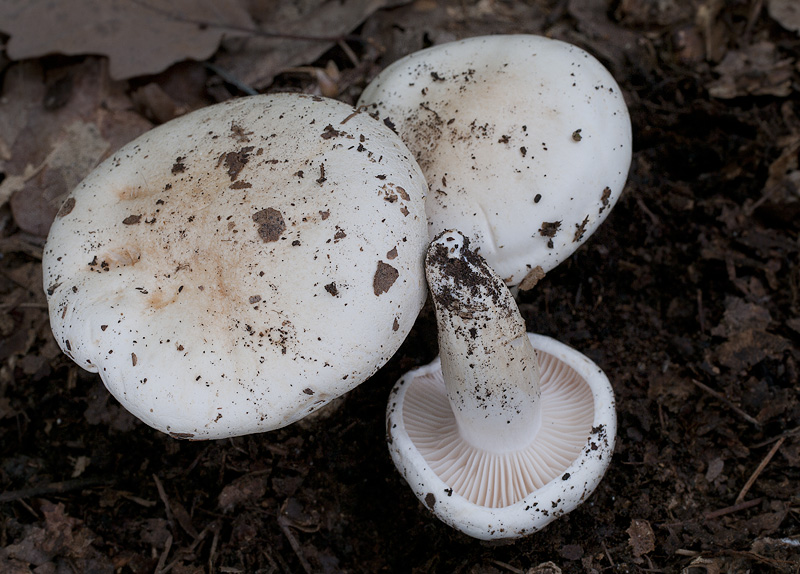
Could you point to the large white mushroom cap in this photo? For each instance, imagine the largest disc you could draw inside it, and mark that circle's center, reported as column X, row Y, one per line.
column 525, row 142
column 235, row 269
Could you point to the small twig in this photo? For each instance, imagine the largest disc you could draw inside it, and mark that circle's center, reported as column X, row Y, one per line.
column 731, row 509
column 728, row 402
column 701, row 311
column 163, row 496
column 53, row 488
column 608, row 554
column 790, row 433
column 758, row 470
column 508, row 567
column 212, row 554
column 162, row 560
column 284, row 524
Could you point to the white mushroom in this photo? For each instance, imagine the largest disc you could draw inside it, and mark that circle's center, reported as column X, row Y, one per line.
column 237, row 268
column 492, row 441
column 525, row 142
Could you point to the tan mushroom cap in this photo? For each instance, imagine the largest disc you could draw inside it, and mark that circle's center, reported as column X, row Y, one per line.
column 525, row 142
column 237, row 268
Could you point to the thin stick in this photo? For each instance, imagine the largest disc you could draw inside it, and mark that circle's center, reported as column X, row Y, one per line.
column 283, row 523
column 162, row 560
column 734, row 508
column 724, row 399
column 758, row 470
column 53, row 488
column 701, row 311
column 163, row 495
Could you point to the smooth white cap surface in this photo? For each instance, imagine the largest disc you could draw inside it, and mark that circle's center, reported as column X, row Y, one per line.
column 525, row 142
column 235, row 269
column 490, row 495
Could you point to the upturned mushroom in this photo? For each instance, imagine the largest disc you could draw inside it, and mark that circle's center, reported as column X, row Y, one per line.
column 237, row 268
column 525, row 142
column 506, row 430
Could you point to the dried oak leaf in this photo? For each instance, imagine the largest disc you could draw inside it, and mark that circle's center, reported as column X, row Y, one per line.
column 641, row 537
column 139, row 36
column 244, row 489
column 56, row 125
column 258, row 59
column 756, row 70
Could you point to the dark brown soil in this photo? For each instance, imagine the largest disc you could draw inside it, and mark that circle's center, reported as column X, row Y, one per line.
column 687, row 297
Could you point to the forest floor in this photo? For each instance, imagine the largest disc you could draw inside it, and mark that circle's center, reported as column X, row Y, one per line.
column 688, row 297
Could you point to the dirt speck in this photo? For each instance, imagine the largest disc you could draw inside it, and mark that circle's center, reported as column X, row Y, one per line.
column 270, row 224
column 178, row 166
column 549, row 228
column 385, row 276
column 235, row 161
column 66, row 207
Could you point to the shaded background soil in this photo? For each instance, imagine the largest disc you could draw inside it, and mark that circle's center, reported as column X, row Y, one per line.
column 687, row 297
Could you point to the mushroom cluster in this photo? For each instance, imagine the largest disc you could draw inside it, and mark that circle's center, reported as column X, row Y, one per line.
column 525, row 142
column 237, row 268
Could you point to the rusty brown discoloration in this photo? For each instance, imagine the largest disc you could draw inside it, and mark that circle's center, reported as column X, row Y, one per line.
column 66, row 207
column 134, row 359
column 182, row 435
column 270, row 224
column 235, row 161
column 532, row 278
column 340, row 234
column 132, row 219
column 549, row 228
column 385, row 276
column 402, row 193
column 238, row 133
column 130, row 192
column 241, row 185
column 325, row 214
column 392, row 253
column 395, row 325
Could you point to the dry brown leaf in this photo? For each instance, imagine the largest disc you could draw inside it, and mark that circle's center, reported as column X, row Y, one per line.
column 244, row 489
column 757, row 70
column 137, row 39
column 641, row 537
column 73, row 118
column 257, row 60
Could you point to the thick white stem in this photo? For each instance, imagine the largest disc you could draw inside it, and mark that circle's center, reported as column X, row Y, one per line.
column 489, row 366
